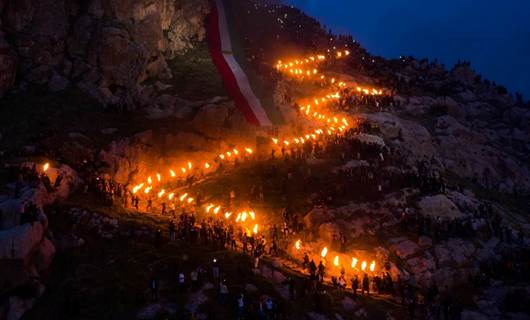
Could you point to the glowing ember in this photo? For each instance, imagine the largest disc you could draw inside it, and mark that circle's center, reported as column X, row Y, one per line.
column 45, row 167
column 363, row 266
column 297, row 244
column 372, row 266
column 336, row 261
column 324, row 252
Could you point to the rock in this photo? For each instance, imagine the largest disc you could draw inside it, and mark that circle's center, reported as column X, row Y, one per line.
column 57, row 83
column 19, row 242
column 348, row 304
column 409, row 136
column 425, row 242
column 405, row 248
column 473, row 315
column 43, row 257
column 17, row 307
column 210, row 119
column 439, row 206
column 151, row 311
column 8, row 66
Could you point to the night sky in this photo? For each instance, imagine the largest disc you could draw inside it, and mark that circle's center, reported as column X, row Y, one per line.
column 493, row 35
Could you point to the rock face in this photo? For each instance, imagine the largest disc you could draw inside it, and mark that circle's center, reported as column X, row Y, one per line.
column 8, row 65
column 26, row 253
column 105, row 47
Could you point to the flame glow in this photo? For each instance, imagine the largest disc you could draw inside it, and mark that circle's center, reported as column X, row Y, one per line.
column 324, row 252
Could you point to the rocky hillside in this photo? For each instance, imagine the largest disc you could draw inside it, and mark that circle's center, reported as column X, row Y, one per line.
column 107, row 48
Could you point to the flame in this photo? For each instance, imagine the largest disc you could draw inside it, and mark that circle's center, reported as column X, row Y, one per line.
column 238, row 217
column 137, row 187
column 297, row 244
column 206, row 165
column 46, row 166
column 216, row 210
column 228, row 214
column 183, row 170
column 222, row 156
column 255, row 229
column 158, row 177
column 189, row 165
column 363, row 266
column 190, row 200
column 336, row 261
column 324, row 252
column 235, row 152
column 228, row 154
column 244, row 216
column 252, row 215
column 248, row 150
column 172, row 173
column 372, row 266
column 354, row 262
column 275, row 140
column 146, row 190
column 161, row 193
column 149, row 180
column 209, row 207
column 182, row 197
column 170, row 196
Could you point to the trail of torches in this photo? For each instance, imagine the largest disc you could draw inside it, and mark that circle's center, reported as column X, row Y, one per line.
column 364, row 266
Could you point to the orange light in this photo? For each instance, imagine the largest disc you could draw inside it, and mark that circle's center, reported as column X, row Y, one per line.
column 297, row 244
column 252, row 215
column 149, row 180
column 255, row 229
column 336, row 261
column 216, row 210
column 324, row 252
column 182, row 197
column 147, row 190
column 161, row 193
column 137, row 187
column 354, row 262
column 372, row 266
column 170, row 196
column 209, row 207
column 207, row 165
column 172, row 173
column 363, row 266
column 45, row 167
column 158, row 177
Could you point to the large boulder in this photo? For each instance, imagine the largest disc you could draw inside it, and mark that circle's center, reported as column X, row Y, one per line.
column 439, row 206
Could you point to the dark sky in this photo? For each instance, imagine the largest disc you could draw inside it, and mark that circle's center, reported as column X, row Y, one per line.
column 493, row 35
